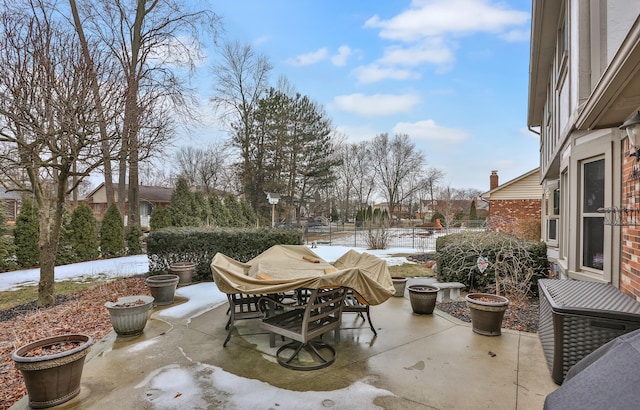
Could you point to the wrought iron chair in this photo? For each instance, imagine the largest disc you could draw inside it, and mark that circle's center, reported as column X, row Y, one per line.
column 305, row 323
column 353, row 305
column 242, row 306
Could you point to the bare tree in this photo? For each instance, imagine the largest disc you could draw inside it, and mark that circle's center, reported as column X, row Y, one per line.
column 395, row 161
column 241, row 79
column 49, row 137
column 154, row 43
column 205, row 168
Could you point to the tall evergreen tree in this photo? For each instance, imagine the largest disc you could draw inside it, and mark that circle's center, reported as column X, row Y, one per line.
column 26, row 234
column 249, row 215
column 160, row 218
column 83, row 235
column 183, row 207
column 112, row 233
column 7, row 247
column 219, row 213
column 235, row 211
column 473, row 213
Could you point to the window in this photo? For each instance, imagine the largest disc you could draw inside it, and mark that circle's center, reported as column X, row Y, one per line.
column 593, row 222
column 553, row 214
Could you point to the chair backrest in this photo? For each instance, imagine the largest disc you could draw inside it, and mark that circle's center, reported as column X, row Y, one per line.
column 323, row 312
column 244, row 306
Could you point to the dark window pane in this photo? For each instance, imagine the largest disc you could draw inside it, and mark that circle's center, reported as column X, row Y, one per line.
column 593, row 186
column 553, row 229
column 593, row 243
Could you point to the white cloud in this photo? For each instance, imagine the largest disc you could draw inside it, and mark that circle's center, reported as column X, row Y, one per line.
column 357, row 133
column 373, row 73
column 432, row 51
column 514, row 36
column 340, row 59
column 428, row 130
column 426, row 18
column 376, row 104
column 309, row 58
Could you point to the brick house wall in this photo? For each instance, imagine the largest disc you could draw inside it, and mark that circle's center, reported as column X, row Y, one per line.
column 514, row 215
column 629, row 258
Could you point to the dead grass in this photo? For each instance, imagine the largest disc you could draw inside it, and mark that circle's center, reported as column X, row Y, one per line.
column 411, row 270
column 84, row 313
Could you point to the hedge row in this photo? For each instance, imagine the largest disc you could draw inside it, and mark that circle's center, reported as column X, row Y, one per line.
column 200, row 245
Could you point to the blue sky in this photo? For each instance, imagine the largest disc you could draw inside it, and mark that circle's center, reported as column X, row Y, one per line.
column 452, row 74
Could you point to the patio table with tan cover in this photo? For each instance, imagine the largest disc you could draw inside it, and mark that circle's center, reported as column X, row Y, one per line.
column 282, row 268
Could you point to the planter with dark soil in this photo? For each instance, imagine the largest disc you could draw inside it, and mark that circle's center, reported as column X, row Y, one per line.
column 129, row 314
column 52, row 368
column 487, row 311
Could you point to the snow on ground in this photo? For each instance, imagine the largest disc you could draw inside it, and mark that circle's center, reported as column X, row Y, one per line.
column 104, row 268
column 139, row 264
column 199, row 382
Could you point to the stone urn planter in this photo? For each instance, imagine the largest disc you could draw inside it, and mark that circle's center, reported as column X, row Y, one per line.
column 184, row 270
column 52, row 368
column 423, row 298
column 487, row 312
column 129, row 314
column 163, row 288
column 399, row 284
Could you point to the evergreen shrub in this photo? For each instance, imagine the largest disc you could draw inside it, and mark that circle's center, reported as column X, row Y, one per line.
column 200, row 245
column 112, row 233
column 26, row 236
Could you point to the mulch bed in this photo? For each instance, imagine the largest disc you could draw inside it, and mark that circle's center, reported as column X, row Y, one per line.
column 82, row 312
column 522, row 316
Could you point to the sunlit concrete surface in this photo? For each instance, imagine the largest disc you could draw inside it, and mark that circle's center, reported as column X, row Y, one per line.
column 415, row 362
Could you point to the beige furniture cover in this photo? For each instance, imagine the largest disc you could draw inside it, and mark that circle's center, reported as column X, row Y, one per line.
column 283, row 268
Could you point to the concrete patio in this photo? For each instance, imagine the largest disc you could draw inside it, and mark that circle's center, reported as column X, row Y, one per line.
column 415, row 362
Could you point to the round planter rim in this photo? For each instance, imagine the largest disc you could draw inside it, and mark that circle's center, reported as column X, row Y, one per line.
column 125, row 299
column 162, row 278
column 85, row 342
column 497, row 300
column 423, row 288
column 399, row 279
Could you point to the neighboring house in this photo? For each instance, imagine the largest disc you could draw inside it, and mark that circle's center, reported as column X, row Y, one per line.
column 515, row 205
column 150, row 197
column 584, row 82
column 12, row 202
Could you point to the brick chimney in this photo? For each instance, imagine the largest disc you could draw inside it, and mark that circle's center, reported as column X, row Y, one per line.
column 493, row 180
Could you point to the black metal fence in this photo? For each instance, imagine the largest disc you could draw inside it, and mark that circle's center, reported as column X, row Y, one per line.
column 419, row 238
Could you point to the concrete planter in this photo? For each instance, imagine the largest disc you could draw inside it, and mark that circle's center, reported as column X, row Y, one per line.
column 184, row 270
column 129, row 314
column 423, row 298
column 52, row 379
column 487, row 311
column 163, row 288
column 399, row 284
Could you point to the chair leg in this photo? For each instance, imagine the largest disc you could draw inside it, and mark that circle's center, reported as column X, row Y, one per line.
column 373, row 329
column 314, row 348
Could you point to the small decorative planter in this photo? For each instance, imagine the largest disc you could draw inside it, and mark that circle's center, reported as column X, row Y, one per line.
column 184, row 270
column 129, row 314
column 52, row 368
column 163, row 288
column 487, row 312
column 399, row 284
column 423, row 298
